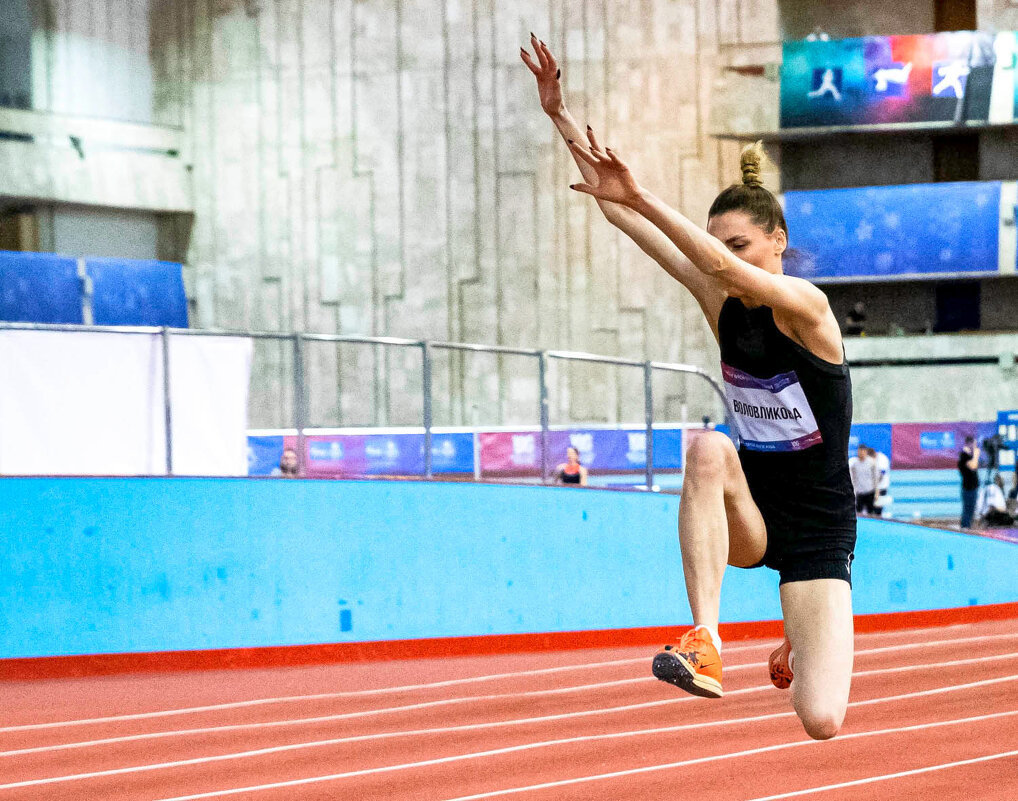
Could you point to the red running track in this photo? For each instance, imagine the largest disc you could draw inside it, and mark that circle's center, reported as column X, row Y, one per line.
column 933, row 713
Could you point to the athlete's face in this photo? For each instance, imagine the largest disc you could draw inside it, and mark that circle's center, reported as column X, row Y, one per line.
column 749, row 241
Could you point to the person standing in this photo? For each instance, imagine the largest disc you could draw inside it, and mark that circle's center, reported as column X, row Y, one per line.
column 865, row 480
column 571, row 471
column 883, row 464
column 968, row 468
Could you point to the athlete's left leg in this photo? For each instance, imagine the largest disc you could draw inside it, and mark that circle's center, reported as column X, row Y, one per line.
column 818, row 624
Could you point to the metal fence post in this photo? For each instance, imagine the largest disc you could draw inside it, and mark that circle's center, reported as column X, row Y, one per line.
column 426, row 381
column 542, row 381
column 648, row 409
column 167, row 405
column 299, row 400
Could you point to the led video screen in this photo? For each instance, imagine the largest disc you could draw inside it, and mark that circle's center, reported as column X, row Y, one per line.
column 896, row 79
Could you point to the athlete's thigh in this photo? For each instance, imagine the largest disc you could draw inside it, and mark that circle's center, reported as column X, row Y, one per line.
column 818, row 624
column 747, row 531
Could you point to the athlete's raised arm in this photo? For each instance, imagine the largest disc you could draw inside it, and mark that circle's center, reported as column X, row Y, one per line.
column 735, row 254
column 643, row 232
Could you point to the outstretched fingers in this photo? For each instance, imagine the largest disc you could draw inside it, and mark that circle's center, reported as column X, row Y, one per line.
column 592, row 159
column 535, row 43
column 552, row 63
column 529, row 62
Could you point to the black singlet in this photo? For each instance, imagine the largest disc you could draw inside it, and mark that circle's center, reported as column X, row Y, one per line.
column 569, row 478
column 793, row 412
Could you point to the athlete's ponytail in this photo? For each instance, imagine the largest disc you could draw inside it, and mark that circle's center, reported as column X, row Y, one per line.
column 751, row 196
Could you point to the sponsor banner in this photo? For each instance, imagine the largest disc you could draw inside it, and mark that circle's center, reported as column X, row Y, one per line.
column 387, row 454
column 263, row 454
column 874, row 435
column 518, row 453
column 932, row 446
column 337, row 455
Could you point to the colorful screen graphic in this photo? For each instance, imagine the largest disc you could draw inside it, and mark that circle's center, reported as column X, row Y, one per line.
column 890, row 79
column 894, row 231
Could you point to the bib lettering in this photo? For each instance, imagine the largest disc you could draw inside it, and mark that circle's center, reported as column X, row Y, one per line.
column 771, row 414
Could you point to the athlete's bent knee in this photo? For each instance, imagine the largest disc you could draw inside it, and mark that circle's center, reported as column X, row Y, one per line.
column 708, row 456
column 821, row 725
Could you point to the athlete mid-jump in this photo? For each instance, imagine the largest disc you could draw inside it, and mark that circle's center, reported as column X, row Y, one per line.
column 785, row 498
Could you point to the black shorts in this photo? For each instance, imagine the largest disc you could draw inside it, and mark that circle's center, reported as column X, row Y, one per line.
column 811, row 533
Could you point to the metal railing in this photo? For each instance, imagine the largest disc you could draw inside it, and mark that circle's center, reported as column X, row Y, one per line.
column 426, row 347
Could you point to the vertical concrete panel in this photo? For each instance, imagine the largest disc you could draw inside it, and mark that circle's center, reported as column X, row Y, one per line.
column 400, row 178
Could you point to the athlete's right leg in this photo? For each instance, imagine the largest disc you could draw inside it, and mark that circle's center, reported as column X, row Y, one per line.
column 719, row 523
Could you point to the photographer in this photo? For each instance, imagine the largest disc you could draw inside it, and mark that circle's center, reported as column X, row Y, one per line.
column 968, row 468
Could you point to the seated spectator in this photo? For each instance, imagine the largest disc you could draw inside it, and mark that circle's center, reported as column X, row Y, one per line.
column 571, row 472
column 289, row 466
column 993, row 504
column 855, row 320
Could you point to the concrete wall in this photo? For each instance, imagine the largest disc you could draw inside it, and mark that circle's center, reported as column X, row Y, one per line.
column 933, row 392
column 384, row 168
column 129, row 565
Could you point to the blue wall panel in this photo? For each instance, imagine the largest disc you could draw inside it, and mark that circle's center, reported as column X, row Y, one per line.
column 126, row 565
column 133, row 292
column 39, row 288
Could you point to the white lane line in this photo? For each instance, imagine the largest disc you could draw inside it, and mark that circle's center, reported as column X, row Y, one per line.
column 687, row 762
column 452, row 682
column 351, row 693
column 466, row 699
column 888, row 776
column 560, row 783
column 442, row 760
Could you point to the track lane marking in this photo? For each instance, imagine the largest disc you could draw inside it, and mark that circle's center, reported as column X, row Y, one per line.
column 465, row 699
column 560, row 783
column 453, row 682
column 443, row 760
column 888, row 776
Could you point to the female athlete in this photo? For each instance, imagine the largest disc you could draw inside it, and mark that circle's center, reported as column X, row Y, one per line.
column 784, row 499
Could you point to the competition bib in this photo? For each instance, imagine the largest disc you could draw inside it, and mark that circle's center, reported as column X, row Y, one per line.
column 771, row 414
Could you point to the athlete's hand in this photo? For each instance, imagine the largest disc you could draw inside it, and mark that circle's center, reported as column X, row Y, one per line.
column 547, row 73
column 615, row 182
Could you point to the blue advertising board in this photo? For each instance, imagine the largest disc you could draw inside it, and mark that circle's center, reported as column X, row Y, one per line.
column 1007, row 428
column 915, row 230
column 873, row 435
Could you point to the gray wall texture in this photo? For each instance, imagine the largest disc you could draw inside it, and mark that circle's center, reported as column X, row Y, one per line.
column 382, row 167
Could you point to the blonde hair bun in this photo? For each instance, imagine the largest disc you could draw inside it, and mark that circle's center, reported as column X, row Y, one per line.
column 751, row 162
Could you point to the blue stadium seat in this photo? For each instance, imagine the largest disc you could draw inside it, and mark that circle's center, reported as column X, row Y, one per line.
column 39, row 288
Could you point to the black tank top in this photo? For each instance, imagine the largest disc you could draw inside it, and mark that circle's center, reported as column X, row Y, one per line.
column 792, row 411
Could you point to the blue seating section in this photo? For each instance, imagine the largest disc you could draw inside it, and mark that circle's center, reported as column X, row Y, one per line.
column 46, row 288
column 132, row 292
column 39, row 288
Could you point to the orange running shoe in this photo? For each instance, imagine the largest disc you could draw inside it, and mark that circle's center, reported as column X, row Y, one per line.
column 693, row 665
column 781, row 671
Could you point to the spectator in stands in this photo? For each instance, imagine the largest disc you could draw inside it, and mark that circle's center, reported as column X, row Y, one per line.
column 968, row 468
column 571, row 471
column 993, row 504
column 855, row 321
column 865, row 480
column 289, row 466
column 883, row 478
column 1012, row 496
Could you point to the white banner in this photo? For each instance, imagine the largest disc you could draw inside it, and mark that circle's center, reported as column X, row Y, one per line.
column 80, row 403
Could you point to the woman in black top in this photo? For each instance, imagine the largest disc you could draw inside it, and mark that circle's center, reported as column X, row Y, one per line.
column 785, row 498
column 571, row 471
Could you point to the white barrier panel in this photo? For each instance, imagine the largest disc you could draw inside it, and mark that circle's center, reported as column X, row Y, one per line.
column 92, row 404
